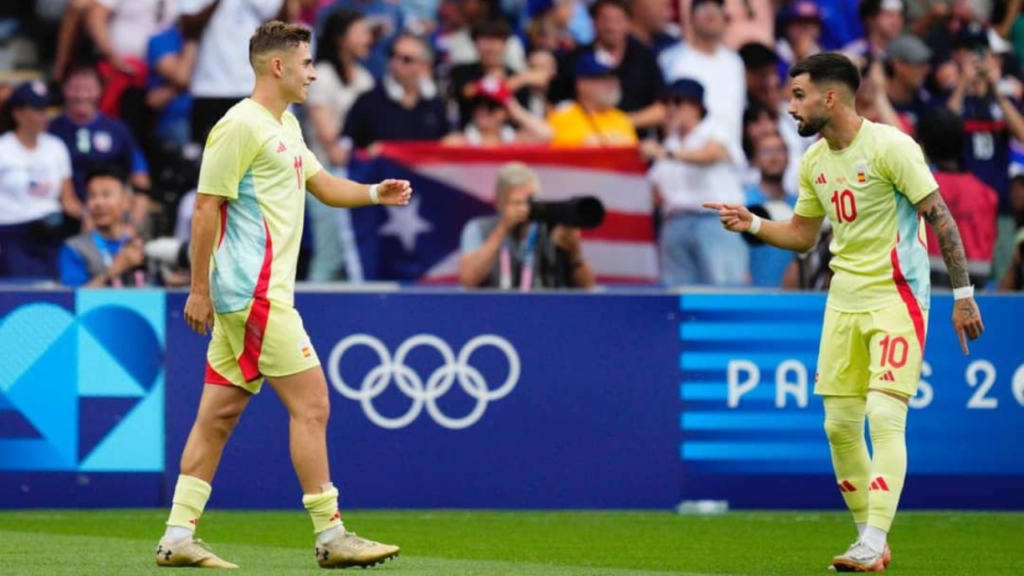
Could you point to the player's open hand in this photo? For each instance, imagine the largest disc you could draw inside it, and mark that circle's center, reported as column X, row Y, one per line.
column 394, row 192
column 734, row 217
column 967, row 322
column 199, row 313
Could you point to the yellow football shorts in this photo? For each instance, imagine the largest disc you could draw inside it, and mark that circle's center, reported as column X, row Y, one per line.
column 877, row 350
column 264, row 339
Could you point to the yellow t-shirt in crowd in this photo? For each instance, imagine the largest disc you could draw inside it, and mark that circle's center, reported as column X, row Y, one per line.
column 573, row 126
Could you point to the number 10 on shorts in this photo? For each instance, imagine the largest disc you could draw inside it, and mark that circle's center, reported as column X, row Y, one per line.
column 894, row 351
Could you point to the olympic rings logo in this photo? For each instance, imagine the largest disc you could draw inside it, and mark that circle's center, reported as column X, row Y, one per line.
column 439, row 382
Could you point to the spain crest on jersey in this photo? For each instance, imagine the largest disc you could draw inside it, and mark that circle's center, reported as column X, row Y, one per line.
column 862, row 172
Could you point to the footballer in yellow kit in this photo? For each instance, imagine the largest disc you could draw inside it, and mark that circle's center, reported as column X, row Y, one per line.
column 872, row 183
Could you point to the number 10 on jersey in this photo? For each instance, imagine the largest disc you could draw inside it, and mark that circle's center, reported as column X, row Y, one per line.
column 846, row 206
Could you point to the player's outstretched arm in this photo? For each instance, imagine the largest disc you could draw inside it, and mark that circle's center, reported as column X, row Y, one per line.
column 799, row 234
column 966, row 316
column 344, row 193
column 199, row 307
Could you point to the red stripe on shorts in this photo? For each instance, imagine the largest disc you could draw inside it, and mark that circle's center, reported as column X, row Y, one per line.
column 256, row 323
column 913, row 307
column 214, row 377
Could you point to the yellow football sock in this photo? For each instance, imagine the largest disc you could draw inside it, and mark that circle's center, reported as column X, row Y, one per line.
column 323, row 509
column 844, row 425
column 190, row 497
column 887, row 418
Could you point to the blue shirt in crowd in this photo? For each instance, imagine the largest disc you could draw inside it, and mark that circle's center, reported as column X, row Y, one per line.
column 102, row 140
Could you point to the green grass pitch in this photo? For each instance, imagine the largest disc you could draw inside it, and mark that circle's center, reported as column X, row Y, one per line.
column 486, row 543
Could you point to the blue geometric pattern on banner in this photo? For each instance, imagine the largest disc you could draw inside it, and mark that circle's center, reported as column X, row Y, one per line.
column 130, row 339
column 99, row 416
column 85, row 390
column 138, row 442
column 101, row 374
column 14, row 425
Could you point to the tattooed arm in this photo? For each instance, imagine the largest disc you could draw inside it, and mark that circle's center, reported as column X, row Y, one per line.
column 966, row 316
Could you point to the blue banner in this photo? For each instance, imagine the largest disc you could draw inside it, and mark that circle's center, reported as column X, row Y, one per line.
column 496, row 401
column 748, row 367
column 465, row 400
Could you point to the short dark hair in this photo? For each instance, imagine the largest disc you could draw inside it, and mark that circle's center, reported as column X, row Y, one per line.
column 756, row 56
column 106, row 171
column 82, row 67
column 941, row 132
column 623, row 5
column 828, row 67
column 277, row 35
column 491, row 28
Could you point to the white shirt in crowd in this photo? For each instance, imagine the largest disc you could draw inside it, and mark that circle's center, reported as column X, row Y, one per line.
column 724, row 81
column 31, row 180
column 685, row 185
column 133, row 22
column 336, row 97
column 222, row 65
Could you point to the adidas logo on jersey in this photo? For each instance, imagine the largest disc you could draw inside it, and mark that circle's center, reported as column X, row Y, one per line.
column 888, row 376
column 280, row 147
column 821, row 179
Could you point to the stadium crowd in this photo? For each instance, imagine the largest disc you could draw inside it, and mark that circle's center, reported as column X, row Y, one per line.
column 106, row 105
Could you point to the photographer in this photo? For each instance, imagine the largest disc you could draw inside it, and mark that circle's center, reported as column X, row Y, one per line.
column 508, row 250
column 110, row 254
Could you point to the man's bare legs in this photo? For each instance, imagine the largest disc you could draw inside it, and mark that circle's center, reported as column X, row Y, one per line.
column 220, row 408
column 305, row 396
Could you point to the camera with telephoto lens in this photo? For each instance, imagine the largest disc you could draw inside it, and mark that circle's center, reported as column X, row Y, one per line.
column 579, row 212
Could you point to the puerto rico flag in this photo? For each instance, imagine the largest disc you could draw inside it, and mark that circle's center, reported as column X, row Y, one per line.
column 420, row 242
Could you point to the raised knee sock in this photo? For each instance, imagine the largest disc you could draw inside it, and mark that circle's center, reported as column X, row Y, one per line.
column 190, row 497
column 844, row 425
column 323, row 509
column 887, row 419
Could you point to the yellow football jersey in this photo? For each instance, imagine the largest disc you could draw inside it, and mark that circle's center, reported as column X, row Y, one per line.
column 261, row 166
column 869, row 191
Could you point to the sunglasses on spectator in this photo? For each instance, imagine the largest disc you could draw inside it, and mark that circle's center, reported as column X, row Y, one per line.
column 676, row 101
column 487, row 104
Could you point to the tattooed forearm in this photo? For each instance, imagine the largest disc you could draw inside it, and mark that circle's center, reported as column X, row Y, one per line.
column 935, row 211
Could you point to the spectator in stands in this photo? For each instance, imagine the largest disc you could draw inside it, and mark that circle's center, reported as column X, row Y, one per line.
column 770, row 200
column 496, row 118
column 908, row 60
column 403, row 106
column 873, row 97
column 1014, row 279
column 170, row 61
column 92, row 138
column 109, row 254
column 593, row 119
column 971, row 202
column 703, row 57
column 222, row 74
column 640, row 79
column 548, row 27
column 121, row 30
column 883, row 23
column 462, row 50
column 35, row 188
column 490, row 38
column 990, row 117
column 385, row 19
column 345, row 41
column 761, row 68
column 1011, row 28
column 544, row 64
column 801, row 33
column 652, row 25
column 696, row 163
column 507, row 251
column 747, row 21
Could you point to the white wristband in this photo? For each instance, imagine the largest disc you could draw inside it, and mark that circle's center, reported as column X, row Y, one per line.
column 373, row 194
column 965, row 292
column 755, row 224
